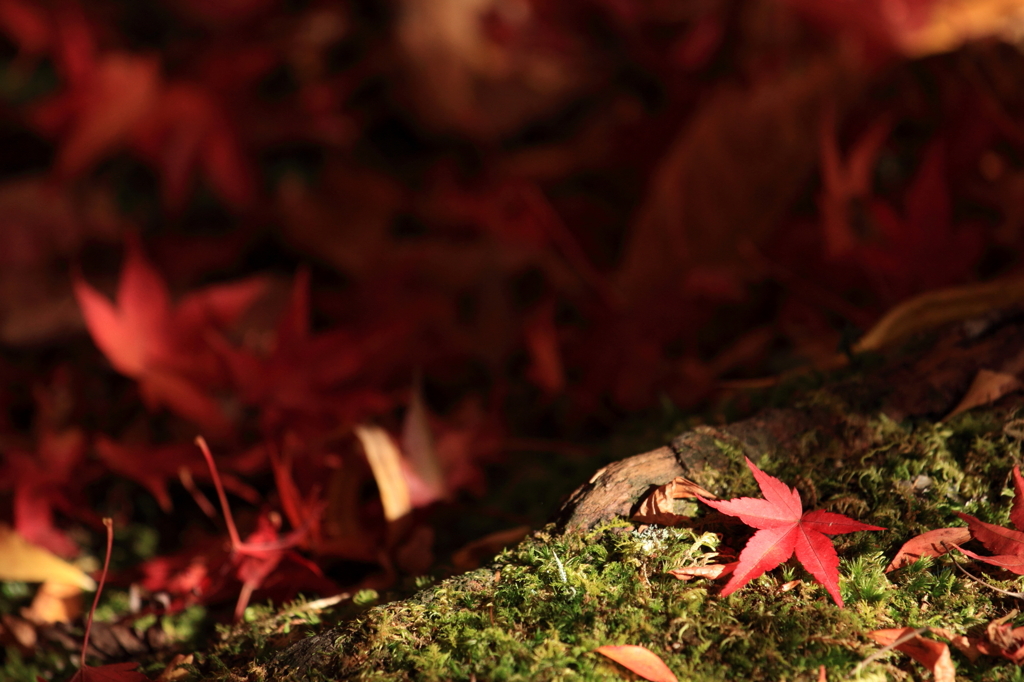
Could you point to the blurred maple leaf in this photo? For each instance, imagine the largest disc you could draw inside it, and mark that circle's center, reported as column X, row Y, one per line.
column 922, row 249
column 185, row 131
column 784, row 528
column 164, row 346
column 152, row 466
column 900, row 254
column 99, row 110
column 259, row 555
column 301, row 374
column 27, row 26
column 845, row 181
column 223, row 13
column 40, row 480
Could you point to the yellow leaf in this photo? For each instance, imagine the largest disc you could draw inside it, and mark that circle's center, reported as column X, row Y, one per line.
column 21, row 560
column 386, row 463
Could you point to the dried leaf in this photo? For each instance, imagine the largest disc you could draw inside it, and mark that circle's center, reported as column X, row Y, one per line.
column 386, row 462
column 711, row 572
column 929, row 653
column 933, row 543
column 1002, row 639
column 421, row 452
column 968, row 646
column 658, row 507
column 639, row 660
column 175, row 669
column 473, row 554
column 936, row 308
column 987, row 387
column 951, row 23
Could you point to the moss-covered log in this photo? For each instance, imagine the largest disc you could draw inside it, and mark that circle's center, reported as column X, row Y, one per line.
column 869, row 444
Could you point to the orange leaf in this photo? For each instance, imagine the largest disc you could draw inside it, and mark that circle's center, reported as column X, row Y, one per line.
column 933, row 543
column 987, row 387
column 639, row 660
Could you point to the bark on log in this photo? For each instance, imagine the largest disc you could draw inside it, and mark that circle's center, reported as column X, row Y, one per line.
column 618, row 488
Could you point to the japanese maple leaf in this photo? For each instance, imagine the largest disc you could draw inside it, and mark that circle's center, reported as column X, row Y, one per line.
column 153, row 465
column 304, row 374
column 1006, row 544
column 263, row 550
column 782, row 529
column 188, row 131
column 161, row 345
column 40, row 480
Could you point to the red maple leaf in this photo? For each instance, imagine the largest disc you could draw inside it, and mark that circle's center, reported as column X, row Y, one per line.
column 161, row 345
column 153, row 465
column 304, row 377
column 40, row 479
column 1006, row 544
column 784, row 528
column 259, row 555
column 187, row 130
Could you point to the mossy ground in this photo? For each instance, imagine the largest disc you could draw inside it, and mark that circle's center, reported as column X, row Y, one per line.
column 539, row 610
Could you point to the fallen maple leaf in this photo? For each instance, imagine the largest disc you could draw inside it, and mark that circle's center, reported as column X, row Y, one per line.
column 40, row 481
column 164, row 346
column 846, row 181
column 929, row 653
column 304, row 377
column 1006, row 543
column 639, row 660
column 987, row 387
column 259, row 555
column 784, row 528
column 932, row 544
column 1002, row 639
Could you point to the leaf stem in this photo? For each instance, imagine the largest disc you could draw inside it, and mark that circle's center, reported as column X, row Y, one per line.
column 109, row 523
column 236, row 540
